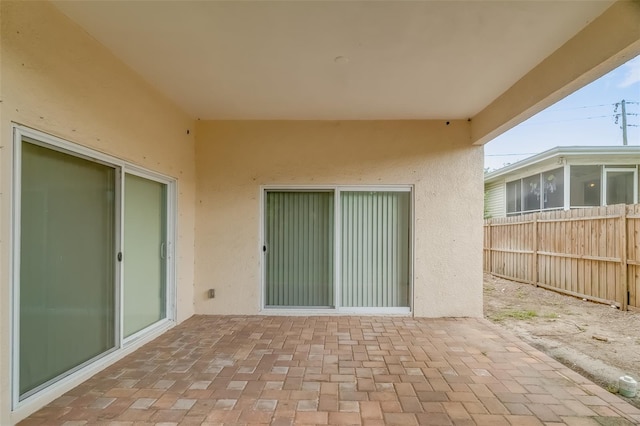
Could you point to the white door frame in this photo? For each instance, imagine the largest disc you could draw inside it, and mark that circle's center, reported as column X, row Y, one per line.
column 337, row 309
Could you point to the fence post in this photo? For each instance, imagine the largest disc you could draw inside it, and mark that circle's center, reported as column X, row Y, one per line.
column 490, row 248
column 624, row 281
column 535, row 250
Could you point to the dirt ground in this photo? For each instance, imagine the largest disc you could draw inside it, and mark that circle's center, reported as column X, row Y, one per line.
column 599, row 341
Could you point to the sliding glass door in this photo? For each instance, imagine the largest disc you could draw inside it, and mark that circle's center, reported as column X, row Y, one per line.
column 337, row 248
column 92, row 258
column 67, row 264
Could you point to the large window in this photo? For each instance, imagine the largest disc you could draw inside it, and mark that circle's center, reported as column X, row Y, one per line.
column 542, row 191
column 86, row 281
column 338, row 248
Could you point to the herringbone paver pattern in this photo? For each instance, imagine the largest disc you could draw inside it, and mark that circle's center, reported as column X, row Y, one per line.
column 337, row 370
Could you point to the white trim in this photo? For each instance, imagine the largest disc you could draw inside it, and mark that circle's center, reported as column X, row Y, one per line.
column 567, row 151
column 163, row 324
column 337, row 250
column 635, row 187
column 118, row 265
column 14, row 288
column 262, row 219
column 331, row 188
column 57, row 386
column 412, row 245
column 147, row 174
column 172, row 267
column 603, row 186
column 378, row 188
column 567, row 186
column 62, row 145
column 337, row 309
column 286, row 311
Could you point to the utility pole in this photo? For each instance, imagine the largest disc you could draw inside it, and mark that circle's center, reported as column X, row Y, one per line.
column 624, row 122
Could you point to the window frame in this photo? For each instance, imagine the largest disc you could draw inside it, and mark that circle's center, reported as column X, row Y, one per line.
column 337, row 309
column 605, row 178
column 518, row 189
column 539, row 177
column 600, row 182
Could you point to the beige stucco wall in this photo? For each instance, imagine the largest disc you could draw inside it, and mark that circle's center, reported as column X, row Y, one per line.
column 234, row 158
column 57, row 79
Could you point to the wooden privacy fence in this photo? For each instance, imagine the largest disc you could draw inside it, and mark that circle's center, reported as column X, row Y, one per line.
column 589, row 253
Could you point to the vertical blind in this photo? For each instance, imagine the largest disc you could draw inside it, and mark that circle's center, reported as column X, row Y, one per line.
column 299, row 249
column 375, row 249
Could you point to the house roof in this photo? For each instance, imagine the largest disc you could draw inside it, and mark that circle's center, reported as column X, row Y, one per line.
column 557, row 153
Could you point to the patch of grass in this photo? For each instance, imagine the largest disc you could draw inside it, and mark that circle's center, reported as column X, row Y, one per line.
column 551, row 315
column 515, row 314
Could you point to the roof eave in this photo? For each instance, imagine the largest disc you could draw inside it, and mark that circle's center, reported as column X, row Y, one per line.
column 558, row 152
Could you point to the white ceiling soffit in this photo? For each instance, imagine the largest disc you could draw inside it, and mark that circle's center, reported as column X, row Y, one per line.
column 332, row 60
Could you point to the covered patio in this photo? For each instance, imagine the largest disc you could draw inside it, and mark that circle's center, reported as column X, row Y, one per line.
column 337, row 370
column 161, row 161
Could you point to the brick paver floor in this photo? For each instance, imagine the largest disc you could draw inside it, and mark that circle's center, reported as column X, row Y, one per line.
column 337, row 370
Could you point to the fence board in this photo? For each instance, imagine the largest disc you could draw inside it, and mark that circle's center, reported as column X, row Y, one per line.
column 590, row 253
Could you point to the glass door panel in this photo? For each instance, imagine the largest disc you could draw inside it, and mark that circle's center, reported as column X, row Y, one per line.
column 375, row 249
column 144, row 254
column 67, row 264
column 299, row 249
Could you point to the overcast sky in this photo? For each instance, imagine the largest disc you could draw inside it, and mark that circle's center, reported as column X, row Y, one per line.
column 590, row 116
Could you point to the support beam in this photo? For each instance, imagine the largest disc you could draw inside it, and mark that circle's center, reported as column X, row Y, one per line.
column 609, row 41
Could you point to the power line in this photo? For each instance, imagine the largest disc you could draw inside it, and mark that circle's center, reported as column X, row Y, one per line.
column 570, row 119
column 579, row 107
column 551, row 109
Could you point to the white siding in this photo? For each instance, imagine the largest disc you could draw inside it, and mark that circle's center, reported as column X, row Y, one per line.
column 494, row 200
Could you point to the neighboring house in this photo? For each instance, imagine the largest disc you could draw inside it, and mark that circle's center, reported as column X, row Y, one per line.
column 564, row 178
column 165, row 159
